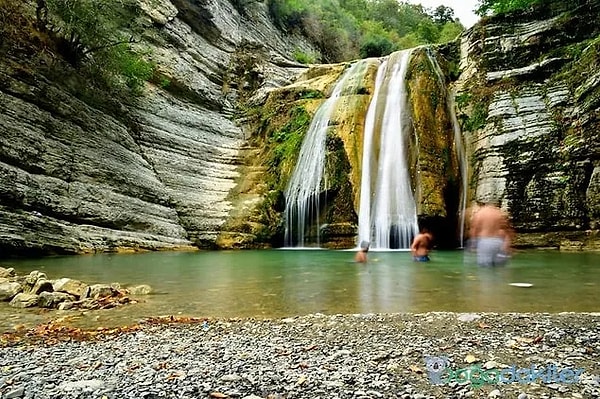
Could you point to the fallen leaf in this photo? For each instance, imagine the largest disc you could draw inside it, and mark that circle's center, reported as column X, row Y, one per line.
column 218, row 395
column 483, row 325
column 415, row 369
column 301, row 380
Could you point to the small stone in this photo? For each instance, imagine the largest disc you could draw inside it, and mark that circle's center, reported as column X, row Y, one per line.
column 468, row 317
column 15, row 393
column 495, row 394
column 490, row 365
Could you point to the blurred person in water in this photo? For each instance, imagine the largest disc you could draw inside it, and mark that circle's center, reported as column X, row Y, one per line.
column 361, row 255
column 491, row 235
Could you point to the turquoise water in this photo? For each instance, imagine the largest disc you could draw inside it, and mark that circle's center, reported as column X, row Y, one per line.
column 281, row 283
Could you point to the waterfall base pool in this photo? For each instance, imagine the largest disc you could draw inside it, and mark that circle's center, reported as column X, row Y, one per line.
column 282, row 283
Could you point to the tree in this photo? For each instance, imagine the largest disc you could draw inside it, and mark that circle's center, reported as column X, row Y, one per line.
column 496, row 7
column 450, row 31
column 92, row 34
column 442, row 15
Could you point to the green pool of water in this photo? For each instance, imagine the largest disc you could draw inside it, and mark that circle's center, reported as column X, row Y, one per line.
column 281, row 283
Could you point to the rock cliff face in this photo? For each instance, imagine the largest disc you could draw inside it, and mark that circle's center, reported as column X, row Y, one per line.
column 527, row 94
column 530, row 93
column 180, row 167
column 155, row 174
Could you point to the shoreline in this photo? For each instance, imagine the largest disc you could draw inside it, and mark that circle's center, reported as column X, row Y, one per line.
column 314, row 356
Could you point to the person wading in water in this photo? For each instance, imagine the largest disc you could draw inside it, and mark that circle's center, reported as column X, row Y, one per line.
column 361, row 255
column 421, row 245
column 491, row 234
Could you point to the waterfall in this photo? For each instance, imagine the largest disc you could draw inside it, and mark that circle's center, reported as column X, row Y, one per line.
column 307, row 182
column 387, row 211
column 458, row 142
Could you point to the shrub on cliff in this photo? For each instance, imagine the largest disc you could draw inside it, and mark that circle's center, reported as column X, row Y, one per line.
column 99, row 36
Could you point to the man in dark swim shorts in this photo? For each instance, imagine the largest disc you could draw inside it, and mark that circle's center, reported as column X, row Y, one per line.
column 421, row 245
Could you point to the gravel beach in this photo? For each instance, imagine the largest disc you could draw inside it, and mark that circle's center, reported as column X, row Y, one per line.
column 504, row 355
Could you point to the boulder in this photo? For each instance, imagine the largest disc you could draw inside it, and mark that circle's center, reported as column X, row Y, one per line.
column 22, row 300
column 9, row 289
column 53, row 299
column 34, row 276
column 70, row 286
column 10, row 272
column 42, row 285
column 101, row 291
column 142, row 289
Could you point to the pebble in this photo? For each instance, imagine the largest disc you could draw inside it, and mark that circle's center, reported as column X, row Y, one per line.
column 312, row 356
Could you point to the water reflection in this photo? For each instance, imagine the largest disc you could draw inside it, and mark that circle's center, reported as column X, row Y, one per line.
column 280, row 283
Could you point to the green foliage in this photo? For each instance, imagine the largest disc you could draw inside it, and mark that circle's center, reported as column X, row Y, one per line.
column 13, row 24
column 311, row 94
column 477, row 118
column 449, row 32
column 463, row 99
column 497, row 7
column 93, row 38
column 304, row 57
column 347, row 29
column 286, row 142
column 375, row 46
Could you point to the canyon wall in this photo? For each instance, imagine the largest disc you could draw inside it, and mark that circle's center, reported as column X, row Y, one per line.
column 201, row 159
column 89, row 174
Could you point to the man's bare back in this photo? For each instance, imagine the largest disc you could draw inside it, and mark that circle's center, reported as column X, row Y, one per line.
column 489, row 221
column 491, row 233
column 421, row 245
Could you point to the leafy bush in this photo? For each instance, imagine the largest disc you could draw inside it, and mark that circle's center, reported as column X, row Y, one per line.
column 91, row 36
column 497, row 7
column 304, row 57
column 375, row 46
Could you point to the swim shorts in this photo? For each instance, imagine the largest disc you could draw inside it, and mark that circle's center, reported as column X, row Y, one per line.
column 490, row 251
column 423, row 258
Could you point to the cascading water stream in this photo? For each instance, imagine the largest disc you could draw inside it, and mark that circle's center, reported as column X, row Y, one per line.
column 458, row 142
column 307, row 182
column 388, row 217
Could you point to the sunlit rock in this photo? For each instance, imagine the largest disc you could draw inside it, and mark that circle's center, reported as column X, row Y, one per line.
column 142, row 289
column 70, row 286
column 9, row 289
column 5, row 273
column 22, row 300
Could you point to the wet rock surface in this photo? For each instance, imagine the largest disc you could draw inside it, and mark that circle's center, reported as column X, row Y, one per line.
column 36, row 290
column 314, row 356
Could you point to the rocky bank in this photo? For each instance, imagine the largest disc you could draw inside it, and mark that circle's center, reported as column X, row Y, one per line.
column 314, row 356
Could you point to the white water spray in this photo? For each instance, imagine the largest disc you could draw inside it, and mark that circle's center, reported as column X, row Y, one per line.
column 458, row 142
column 388, row 217
column 307, row 181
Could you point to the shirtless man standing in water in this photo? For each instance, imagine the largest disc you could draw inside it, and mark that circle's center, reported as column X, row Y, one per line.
column 491, row 232
column 421, row 245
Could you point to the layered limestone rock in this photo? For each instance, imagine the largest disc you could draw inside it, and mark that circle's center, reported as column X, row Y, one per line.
column 155, row 174
column 181, row 166
column 530, row 95
column 528, row 100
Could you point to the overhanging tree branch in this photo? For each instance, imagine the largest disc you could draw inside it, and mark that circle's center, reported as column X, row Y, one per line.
column 108, row 45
